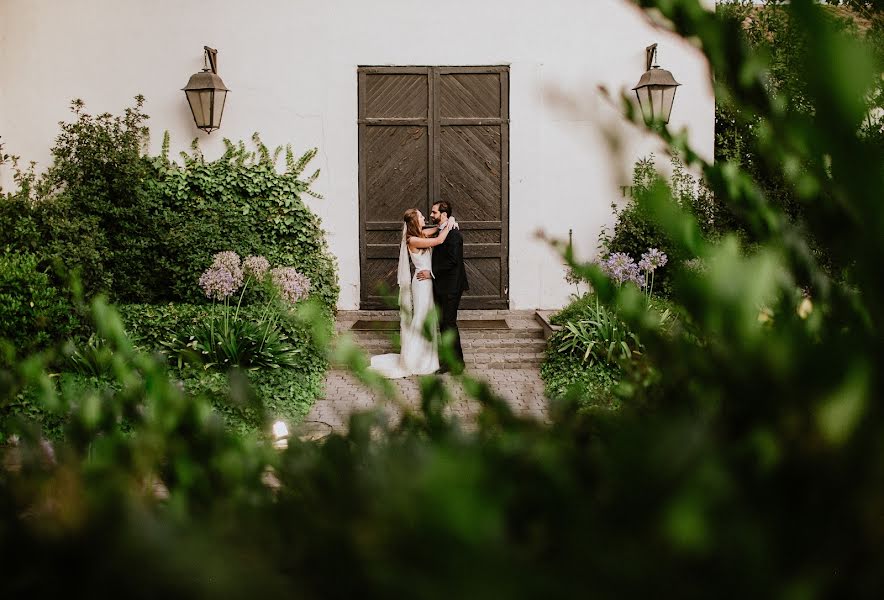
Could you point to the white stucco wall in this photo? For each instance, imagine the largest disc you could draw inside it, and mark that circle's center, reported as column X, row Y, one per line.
column 291, row 66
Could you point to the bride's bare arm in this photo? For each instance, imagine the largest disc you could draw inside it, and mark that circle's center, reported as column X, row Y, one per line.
column 423, row 242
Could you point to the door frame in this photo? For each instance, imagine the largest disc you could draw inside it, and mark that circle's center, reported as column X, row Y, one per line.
column 433, row 122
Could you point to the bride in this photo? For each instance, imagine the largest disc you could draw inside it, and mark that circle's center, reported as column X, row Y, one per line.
column 419, row 354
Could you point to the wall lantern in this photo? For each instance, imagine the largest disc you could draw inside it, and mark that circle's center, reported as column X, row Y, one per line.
column 206, row 94
column 655, row 90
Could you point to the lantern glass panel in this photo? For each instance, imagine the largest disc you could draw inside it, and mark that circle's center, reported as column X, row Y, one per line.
column 196, row 107
column 218, row 108
column 668, row 99
column 656, row 101
column 644, row 102
column 206, row 108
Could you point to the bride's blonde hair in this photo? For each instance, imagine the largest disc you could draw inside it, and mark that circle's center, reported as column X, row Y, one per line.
column 412, row 226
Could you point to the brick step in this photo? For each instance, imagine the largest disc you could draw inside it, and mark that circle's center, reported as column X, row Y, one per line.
column 531, row 345
column 532, row 355
column 465, row 334
column 516, row 320
column 353, row 315
column 530, row 358
column 493, row 362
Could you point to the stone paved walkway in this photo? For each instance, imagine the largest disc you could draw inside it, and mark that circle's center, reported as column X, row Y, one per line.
column 521, row 388
column 508, row 360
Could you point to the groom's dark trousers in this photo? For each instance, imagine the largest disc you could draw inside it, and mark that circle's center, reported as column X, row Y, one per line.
column 449, row 284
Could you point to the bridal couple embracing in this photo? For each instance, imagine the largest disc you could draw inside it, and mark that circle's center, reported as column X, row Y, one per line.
column 439, row 280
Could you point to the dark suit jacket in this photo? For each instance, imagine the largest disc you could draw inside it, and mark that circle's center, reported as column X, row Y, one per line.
column 449, row 273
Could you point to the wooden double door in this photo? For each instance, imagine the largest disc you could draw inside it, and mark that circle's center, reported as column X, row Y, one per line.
column 431, row 133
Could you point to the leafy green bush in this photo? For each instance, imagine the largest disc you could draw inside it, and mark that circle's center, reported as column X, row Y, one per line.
column 568, row 376
column 93, row 358
column 636, row 230
column 244, row 398
column 240, row 201
column 773, row 33
column 249, row 401
column 91, row 210
column 599, row 335
column 33, row 312
column 141, row 229
column 286, row 392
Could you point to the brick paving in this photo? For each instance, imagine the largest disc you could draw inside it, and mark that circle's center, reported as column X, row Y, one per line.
column 514, row 377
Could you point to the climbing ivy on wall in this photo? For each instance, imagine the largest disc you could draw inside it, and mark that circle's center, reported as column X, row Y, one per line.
column 241, row 202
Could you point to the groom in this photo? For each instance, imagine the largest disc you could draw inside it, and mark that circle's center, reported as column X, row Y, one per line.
column 449, row 279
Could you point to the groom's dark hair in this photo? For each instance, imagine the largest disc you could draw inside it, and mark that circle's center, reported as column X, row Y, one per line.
column 444, row 207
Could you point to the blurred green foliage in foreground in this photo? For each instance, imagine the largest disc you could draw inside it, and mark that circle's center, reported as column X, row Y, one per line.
column 747, row 461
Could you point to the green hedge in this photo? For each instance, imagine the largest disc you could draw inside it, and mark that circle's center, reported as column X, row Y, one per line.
column 141, row 229
column 33, row 312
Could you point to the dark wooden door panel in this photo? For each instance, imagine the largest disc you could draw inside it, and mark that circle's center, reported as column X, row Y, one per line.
column 382, row 273
column 396, row 170
column 471, row 173
column 428, row 133
column 396, row 96
column 470, row 95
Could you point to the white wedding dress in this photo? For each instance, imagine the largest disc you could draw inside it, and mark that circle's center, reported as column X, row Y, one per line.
column 419, row 354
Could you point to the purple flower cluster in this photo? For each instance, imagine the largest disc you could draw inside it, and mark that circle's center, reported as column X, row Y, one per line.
column 652, row 260
column 229, row 260
column 621, row 268
column 256, row 266
column 227, row 272
column 291, row 284
column 224, row 277
column 218, row 283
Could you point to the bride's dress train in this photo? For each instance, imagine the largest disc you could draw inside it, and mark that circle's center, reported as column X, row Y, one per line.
column 419, row 355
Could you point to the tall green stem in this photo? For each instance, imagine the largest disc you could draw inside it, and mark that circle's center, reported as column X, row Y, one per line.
column 226, row 317
column 243, row 293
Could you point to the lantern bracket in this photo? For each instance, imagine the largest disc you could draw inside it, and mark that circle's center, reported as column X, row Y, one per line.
column 650, row 56
column 211, row 59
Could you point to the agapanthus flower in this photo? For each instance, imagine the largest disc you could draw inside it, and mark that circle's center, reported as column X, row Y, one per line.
column 218, row 283
column 293, row 285
column 230, row 260
column 652, row 260
column 256, row 266
column 621, row 268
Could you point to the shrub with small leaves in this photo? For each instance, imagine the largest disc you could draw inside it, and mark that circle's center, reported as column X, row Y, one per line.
column 33, row 312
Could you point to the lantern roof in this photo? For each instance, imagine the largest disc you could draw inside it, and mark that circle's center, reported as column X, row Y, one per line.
column 205, row 80
column 656, row 76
